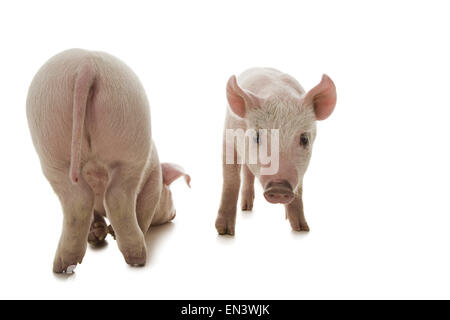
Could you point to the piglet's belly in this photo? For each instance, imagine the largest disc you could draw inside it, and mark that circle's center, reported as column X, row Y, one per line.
column 97, row 177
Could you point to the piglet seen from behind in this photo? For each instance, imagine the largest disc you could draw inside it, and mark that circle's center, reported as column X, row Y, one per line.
column 90, row 122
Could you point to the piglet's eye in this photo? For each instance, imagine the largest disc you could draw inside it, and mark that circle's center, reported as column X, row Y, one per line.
column 256, row 138
column 304, row 139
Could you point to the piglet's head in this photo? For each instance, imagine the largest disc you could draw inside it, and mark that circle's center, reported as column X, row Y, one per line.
column 288, row 148
column 170, row 173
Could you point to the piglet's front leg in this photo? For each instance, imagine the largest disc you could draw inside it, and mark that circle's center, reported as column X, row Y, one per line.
column 248, row 189
column 295, row 214
column 226, row 218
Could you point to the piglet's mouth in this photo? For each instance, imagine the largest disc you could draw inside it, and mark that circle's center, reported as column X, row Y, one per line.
column 279, row 191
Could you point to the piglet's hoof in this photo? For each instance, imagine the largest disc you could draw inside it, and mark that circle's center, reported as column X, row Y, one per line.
column 247, row 198
column 65, row 270
column 98, row 233
column 111, row 231
column 136, row 257
column 225, row 225
column 298, row 225
column 66, row 263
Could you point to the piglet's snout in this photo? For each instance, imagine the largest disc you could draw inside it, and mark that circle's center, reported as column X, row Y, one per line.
column 278, row 191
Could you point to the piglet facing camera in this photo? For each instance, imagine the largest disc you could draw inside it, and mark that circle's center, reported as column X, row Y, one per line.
column 270, row 128
column 89, row 119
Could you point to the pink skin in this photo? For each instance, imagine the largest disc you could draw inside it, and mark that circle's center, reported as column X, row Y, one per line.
column 89, row 119
column 266, row 98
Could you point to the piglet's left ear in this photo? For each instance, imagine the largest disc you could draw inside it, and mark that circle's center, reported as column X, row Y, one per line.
column 322, row 97
column 172, row 172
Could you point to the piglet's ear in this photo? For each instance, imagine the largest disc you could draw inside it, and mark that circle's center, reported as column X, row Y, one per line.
column 322, row 97
column 172, row 172
column 240, row 100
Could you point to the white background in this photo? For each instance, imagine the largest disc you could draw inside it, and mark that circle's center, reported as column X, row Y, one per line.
column 376, row 193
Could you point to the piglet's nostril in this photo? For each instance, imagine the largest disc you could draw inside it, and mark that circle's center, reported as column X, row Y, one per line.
column 278, row 183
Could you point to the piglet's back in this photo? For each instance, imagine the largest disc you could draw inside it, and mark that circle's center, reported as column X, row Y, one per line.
column 116, row 124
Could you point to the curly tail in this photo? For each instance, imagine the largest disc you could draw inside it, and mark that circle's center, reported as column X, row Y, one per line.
column 83, row 83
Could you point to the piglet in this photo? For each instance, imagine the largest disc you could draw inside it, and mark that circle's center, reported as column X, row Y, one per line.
column 89, row 119
column 264, row 101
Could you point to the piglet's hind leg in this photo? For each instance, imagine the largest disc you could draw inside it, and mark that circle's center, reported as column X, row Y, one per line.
column 78, row 204
column 120, row 204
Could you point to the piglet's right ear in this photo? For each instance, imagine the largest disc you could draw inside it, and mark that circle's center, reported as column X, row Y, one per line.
column 240, row 100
